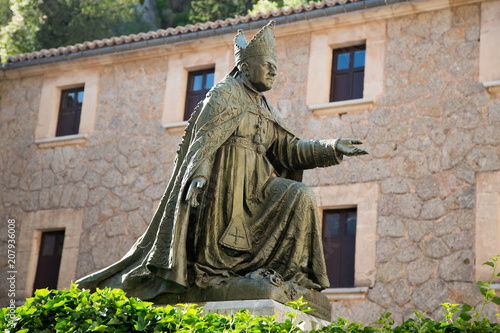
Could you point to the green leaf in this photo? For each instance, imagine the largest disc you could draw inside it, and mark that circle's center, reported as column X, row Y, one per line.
column 59, row 303
column 465, row 316
column 42, row 292
column 489, row 263
column 496, row 300
column 467, row 308
column 100, row 328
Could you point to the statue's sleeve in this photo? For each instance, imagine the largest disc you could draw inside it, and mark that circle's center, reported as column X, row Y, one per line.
column 205, row 168
column 212, row 113
column 292, row 153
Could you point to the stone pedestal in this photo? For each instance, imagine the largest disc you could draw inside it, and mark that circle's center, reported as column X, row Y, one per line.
column 248, row 288
column 264, row 307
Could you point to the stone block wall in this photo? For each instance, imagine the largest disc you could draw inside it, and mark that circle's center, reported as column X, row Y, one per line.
column 117, row 176
column 431, row 132
column 433, row 129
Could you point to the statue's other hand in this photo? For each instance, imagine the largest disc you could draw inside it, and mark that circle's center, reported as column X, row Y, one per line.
column 195, row 188
column 345, row 146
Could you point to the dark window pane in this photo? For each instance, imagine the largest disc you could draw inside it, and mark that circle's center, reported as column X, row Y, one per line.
column 210, row 81
column 341, row 87
column 70, row 109
column 49, row 260
column 191, row 103
column 48, row 245
column 79, row 98
column 347, row 73
column 339, row 249
column 65, row 124
column 198, row 81
column 357, row 84
column 69, row 101
column 343, row 61
column 333, row 227
column 359, row 59
column 350, row 229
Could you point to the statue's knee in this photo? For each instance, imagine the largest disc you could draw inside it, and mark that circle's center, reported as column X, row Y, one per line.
column 306, row 193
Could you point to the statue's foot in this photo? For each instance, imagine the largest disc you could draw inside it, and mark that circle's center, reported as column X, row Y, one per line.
column 306, row 283
column 303, row 281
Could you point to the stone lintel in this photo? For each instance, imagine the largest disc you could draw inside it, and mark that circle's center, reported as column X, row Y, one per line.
column 175, row 128
column 59, row 141
column 492, row 86
column 337, row 294
column 337, row 108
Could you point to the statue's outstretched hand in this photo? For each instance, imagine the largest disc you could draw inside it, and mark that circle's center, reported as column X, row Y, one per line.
column 195, row 188
column 345, row 146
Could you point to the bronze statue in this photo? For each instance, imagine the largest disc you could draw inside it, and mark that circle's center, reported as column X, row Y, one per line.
column 234, row 207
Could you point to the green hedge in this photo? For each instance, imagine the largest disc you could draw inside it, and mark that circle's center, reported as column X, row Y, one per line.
column 110, row 310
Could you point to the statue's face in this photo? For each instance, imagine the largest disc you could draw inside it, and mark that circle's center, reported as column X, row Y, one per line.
column 260, row 72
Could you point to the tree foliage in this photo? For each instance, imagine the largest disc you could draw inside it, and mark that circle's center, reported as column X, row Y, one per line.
column 5, row 12
column 267, row 5
column 172, row 13
column 29, row 25
column 19, row 26
column 75, row 21
column 211, row 10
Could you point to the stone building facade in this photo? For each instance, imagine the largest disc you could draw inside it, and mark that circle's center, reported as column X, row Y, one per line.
column 427, row 196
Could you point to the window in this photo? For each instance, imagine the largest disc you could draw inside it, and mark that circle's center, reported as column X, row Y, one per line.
column 348, row 72
column 199, row 83
column 70, row 110
column 49, row 260
column 339, row 241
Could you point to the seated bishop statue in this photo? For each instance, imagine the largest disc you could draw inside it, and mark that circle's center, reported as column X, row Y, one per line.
column 235, row 221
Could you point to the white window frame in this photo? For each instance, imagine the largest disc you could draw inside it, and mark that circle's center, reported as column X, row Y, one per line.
column 50, row 99
column 372, row 34
column 179, row 66
column 364, row 196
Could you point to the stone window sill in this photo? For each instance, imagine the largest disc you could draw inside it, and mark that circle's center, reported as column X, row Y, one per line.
column 338, row 294
column 60, row 141
column 175, row 128
column 492, row 86
column 337, row 108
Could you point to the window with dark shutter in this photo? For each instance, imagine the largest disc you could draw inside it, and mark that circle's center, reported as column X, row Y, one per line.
column 70, row 110
column 199, row 83
column 348, row 73
column 49, row 260
column 339, row 241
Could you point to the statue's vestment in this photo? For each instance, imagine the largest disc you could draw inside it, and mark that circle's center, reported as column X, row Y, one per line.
column 254, row 212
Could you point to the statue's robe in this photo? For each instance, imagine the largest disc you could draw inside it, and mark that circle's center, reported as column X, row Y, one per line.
column 254, row 212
